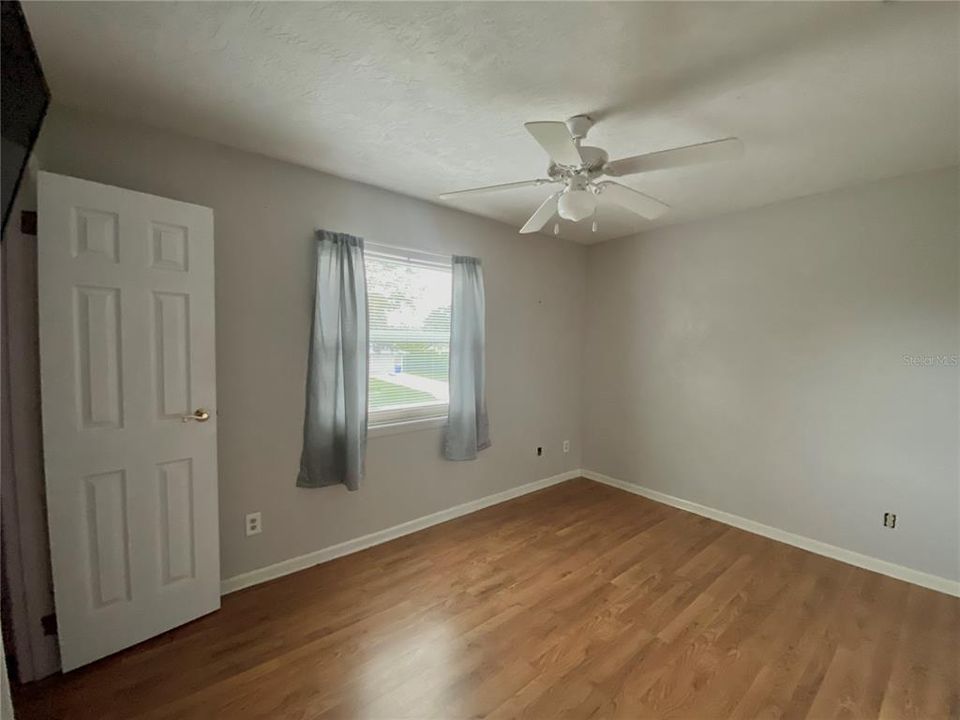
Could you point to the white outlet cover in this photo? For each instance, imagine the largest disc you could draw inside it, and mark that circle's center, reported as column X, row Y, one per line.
column 254, row 524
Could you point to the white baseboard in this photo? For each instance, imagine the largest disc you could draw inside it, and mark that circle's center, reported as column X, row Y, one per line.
column 255, row 577
column 934, row 582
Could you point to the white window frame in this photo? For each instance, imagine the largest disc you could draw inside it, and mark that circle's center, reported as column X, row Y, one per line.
column 421, row 415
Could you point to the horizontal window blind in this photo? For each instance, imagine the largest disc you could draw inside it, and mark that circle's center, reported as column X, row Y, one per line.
column 409, row 308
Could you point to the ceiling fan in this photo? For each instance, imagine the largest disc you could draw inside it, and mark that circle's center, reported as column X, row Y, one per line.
column 578, row 168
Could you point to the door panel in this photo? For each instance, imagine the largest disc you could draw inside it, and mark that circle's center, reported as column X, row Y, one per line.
column 106, row 510
column 171, row 338
column 98, row 356
column 126, row 351
column 176, row 525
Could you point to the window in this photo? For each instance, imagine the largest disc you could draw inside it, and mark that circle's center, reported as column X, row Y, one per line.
column 409, row 306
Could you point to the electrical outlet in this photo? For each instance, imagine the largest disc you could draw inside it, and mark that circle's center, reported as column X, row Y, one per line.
column 566, row 446
column 889, row 520
column 539, row 451
column 254, row 524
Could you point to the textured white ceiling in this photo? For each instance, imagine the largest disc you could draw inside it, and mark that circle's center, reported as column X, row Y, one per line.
column 423, row 98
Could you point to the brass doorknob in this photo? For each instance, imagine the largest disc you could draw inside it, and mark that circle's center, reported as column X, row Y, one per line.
column 200, row 415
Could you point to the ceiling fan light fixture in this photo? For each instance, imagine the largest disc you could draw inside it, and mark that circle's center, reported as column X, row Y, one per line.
column 576, row 205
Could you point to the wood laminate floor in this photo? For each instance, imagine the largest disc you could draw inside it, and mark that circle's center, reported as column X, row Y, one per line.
column 579, row 601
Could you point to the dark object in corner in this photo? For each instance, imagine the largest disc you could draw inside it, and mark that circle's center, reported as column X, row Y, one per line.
column 24, row 98
column 28, row 222
column 49, row 624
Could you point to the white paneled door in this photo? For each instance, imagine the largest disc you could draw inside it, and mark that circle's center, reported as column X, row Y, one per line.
column 129, row 421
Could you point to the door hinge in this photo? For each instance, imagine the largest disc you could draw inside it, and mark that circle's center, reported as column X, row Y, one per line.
column 28, row 222
column 49, row 624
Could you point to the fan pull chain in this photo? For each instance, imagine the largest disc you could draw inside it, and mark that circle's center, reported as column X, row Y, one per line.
column 556, row 228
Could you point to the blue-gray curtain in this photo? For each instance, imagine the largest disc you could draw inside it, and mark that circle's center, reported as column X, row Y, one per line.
column 468, row 430
column 335, row 422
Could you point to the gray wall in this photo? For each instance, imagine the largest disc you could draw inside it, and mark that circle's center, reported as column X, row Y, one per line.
column 754, row 363
column 757, row 364
column 265, row 214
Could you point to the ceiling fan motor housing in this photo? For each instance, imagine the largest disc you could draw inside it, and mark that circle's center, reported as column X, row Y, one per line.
column 593, row 161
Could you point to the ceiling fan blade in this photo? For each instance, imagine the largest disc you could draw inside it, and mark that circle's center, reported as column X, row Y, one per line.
column 495, row 188
column 632, row 200
column 677, row 157
column 555, row 138
column 542, row 216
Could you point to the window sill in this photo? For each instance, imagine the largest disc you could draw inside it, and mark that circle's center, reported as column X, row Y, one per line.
column 406, row 426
